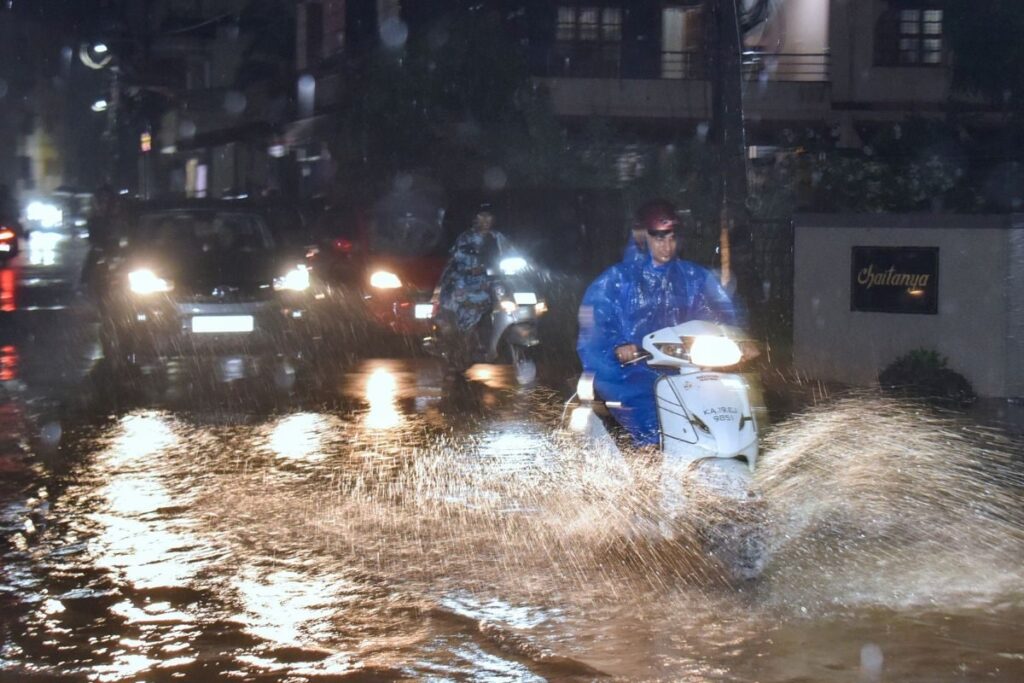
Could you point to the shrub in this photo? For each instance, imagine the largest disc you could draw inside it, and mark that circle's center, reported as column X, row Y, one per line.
column 924, row 373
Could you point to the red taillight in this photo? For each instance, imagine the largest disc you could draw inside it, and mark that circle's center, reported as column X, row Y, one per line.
column 6, row 234
column 8, row 363
column 7, row 280
column 343, row 246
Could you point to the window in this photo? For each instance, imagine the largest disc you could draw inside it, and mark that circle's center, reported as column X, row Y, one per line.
column 681, row 41
column 589, row 39
column 920, row 36
column 910, row 37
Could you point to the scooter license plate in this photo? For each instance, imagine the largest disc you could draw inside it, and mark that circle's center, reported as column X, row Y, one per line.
column 214, row 324
column 424, row 311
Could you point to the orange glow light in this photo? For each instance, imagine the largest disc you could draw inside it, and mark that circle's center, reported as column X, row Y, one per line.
column 7, row 304
column 8, row 363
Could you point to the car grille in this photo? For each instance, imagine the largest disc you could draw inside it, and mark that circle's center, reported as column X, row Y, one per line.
column 226, row 295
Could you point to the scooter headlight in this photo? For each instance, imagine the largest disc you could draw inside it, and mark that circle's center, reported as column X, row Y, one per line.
column 383, row 279
column 145, row 281
column 295, row 280
column 714, row 352
column 512, row 265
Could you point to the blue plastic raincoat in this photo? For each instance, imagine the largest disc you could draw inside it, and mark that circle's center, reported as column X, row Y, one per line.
column 628, row 301
column 634, row 253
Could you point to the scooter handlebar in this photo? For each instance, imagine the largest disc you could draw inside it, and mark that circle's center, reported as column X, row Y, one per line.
column 641, row 356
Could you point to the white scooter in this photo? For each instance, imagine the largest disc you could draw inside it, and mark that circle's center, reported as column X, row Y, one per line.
column 709, row 433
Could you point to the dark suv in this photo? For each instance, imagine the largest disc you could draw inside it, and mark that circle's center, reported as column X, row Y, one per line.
column 208, row 279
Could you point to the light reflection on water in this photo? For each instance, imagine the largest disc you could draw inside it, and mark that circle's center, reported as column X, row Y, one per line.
column 381, row 394
column 505, row 552
column 298, row 437
column 287, row 607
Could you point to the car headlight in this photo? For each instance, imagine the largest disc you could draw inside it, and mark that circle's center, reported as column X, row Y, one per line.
column 145, row 281
column 383, row 279
column 512, row 265
column 714, row 352
column 295, row 280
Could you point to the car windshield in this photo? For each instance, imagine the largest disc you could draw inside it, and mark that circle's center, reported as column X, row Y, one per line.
column 213, row 231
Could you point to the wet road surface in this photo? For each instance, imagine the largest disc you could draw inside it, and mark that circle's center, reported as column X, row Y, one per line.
column 394, row 525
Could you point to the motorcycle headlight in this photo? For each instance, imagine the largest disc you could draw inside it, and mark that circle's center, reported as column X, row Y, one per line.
column 383, row 279
column 512, row 265
column 145, row 281
column 525, row 298
column 295, row 280
column 714, row 352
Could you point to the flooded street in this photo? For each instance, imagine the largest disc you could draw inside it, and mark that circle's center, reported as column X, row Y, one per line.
column 395, row 525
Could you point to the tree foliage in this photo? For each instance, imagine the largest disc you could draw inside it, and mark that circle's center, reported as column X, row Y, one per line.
column 454, row 100
column 268, row 56
column 985, row 38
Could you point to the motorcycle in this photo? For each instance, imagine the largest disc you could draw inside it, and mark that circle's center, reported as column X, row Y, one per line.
column 510, row 331
column 708, row 442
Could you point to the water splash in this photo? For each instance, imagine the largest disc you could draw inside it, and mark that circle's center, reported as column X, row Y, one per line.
column 877, row 501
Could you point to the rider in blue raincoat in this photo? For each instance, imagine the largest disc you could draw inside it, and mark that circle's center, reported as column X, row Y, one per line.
column 650, row 289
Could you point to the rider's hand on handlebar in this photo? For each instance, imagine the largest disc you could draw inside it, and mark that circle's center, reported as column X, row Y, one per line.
column 627, row 352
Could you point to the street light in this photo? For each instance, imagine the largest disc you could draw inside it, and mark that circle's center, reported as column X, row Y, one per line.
column 99, row 105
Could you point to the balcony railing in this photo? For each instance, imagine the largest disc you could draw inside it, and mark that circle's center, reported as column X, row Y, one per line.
column 685, row 65
column 813, row 67
column 757, row 66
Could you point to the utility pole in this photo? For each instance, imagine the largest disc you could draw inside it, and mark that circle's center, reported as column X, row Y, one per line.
column 727, row 131
column 727, row 127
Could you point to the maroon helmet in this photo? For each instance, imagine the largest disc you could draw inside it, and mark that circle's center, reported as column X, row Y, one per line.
column 657, row 215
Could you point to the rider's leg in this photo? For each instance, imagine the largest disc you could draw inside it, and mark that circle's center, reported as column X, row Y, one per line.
column 638, row 412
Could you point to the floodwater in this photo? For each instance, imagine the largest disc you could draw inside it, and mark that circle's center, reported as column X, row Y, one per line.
column 415, row 529
column 401, row 527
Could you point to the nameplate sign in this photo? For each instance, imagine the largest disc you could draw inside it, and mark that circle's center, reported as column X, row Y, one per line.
column 895, row 280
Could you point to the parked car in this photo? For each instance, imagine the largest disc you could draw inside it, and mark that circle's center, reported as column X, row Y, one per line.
column 208, row 280
column 389, row 263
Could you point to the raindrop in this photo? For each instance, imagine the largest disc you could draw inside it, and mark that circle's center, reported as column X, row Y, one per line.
column 393, row 32
column 234, row 102
column 495, row 178
column 307, row 94
column 307, row 84
column 437, row 38
column 871, row 660
column 284, row 376
column 3, row 88
column 186, row 129
column 467, row 130
column 50, row 434
column 403, row 182
column 702, row 131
